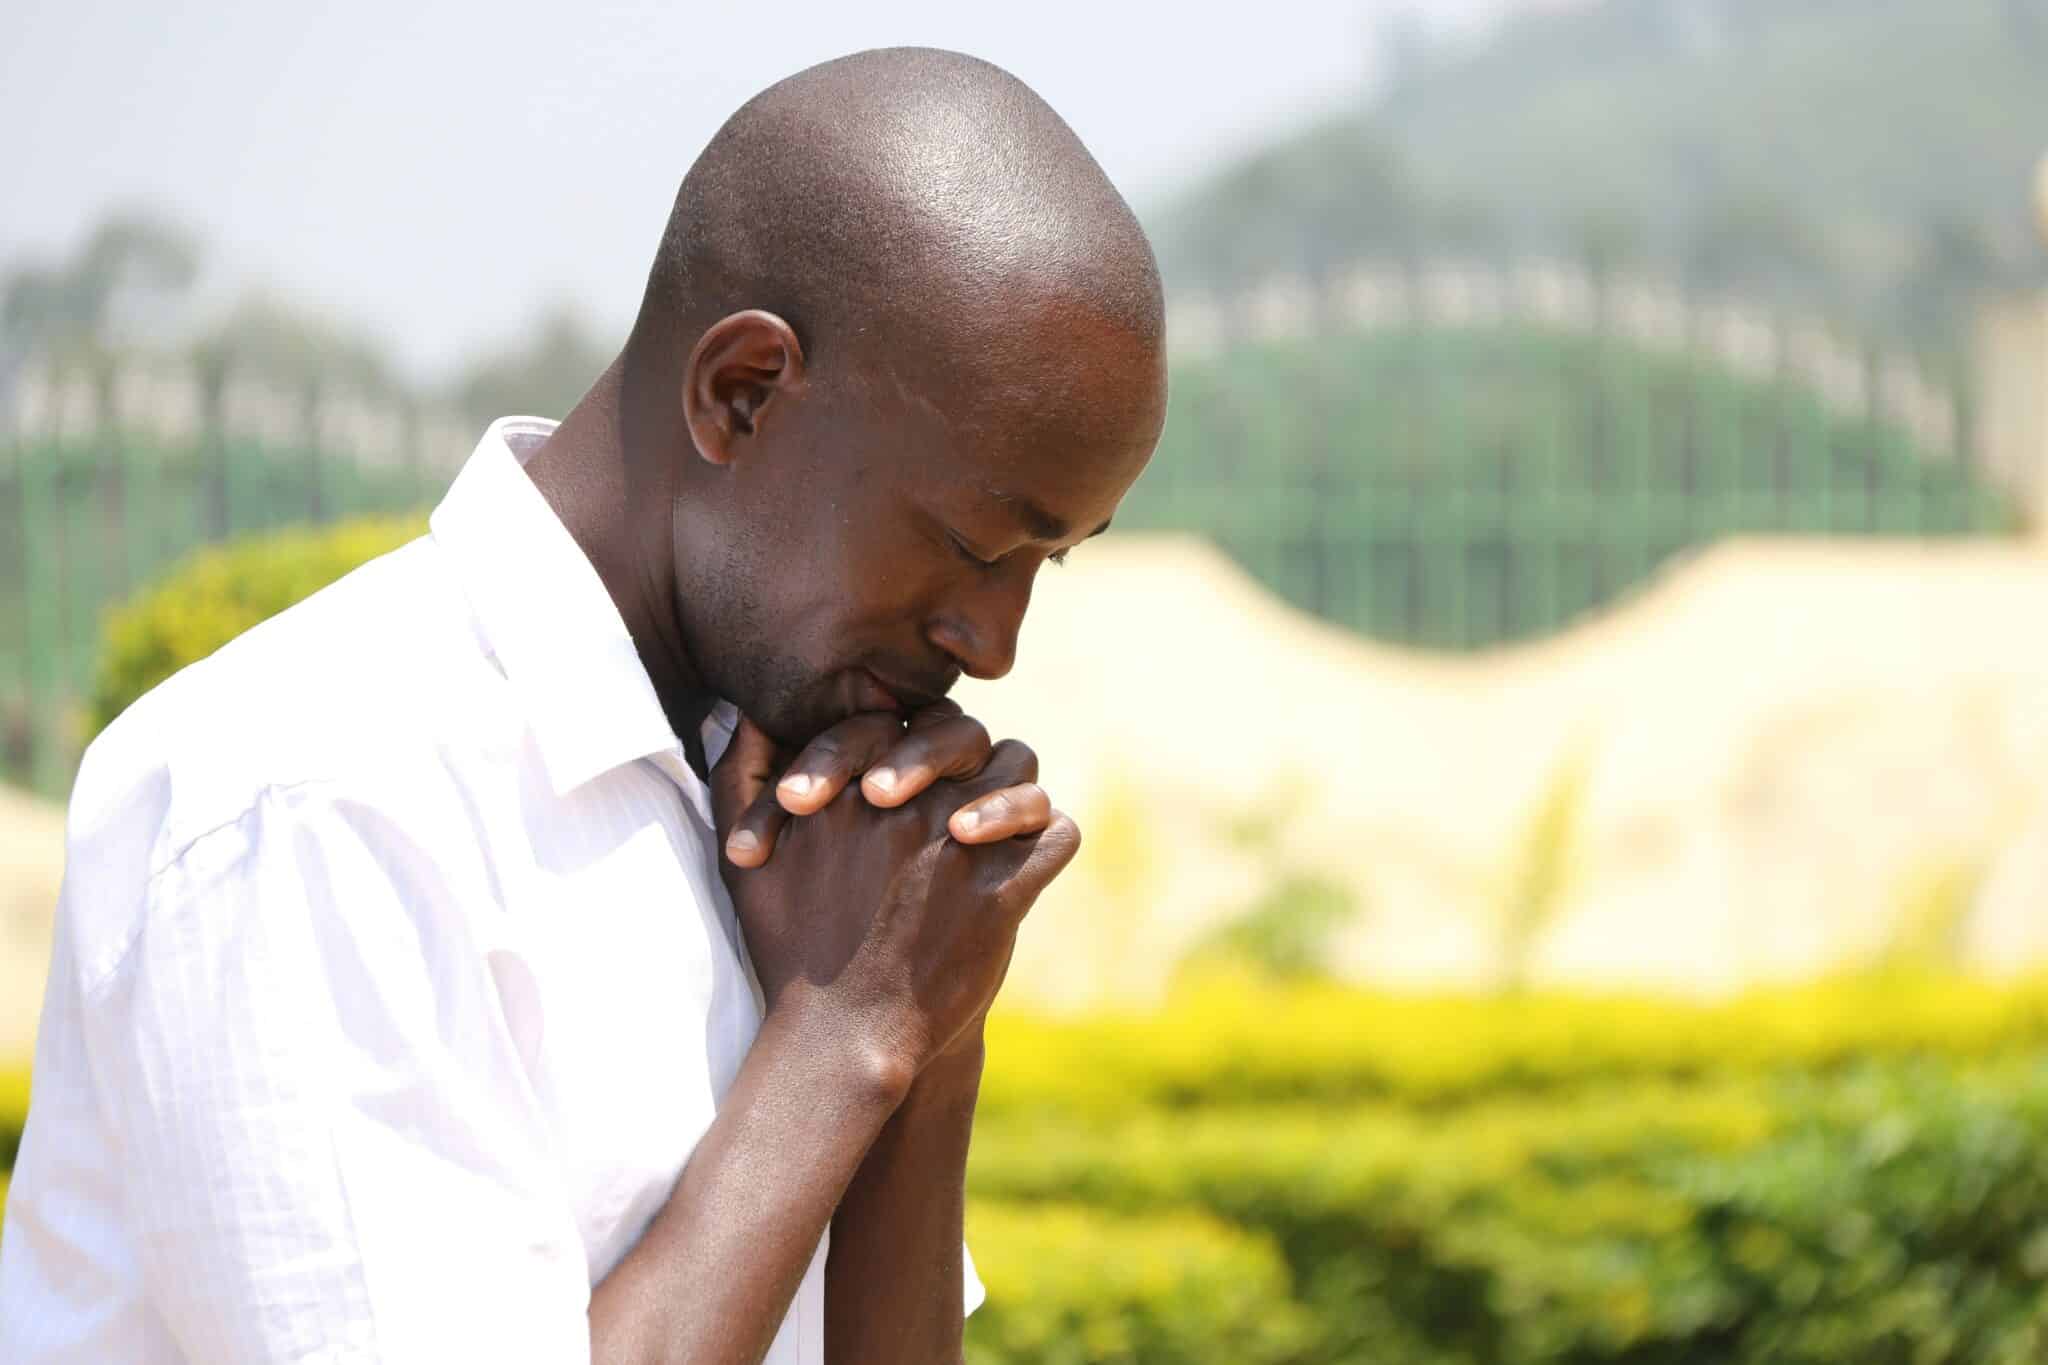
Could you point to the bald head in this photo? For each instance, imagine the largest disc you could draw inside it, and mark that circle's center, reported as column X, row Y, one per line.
column 900, row 349
column 878, row 198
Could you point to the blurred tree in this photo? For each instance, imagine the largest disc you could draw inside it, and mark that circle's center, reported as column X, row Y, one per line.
column 1751, row 238
column 284, row 344
column 1955, row 261
column 1405, row 49
column 130, row 271
column 2028, row 21
column 1466, row 225
column 1788, row 149
column 544, row 375
column 1305, row 206
column 1605, row 238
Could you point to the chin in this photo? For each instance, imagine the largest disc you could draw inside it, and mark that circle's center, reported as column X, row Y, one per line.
column 794, row 721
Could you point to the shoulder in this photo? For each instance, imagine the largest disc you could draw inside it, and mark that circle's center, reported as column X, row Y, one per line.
column 374, row 691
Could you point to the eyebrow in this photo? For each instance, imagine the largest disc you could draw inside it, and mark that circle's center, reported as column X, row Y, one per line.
column 1039, row 523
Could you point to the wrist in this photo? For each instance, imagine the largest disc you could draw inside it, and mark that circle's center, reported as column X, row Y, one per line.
column 956, row 1070
column 863, row 1053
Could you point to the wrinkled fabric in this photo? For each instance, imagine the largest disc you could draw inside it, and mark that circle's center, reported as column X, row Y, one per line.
column 393, row 981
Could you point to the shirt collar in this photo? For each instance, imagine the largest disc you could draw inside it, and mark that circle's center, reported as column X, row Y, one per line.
column 543, row 611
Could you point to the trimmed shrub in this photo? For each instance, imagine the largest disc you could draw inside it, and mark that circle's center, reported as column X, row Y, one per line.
column 221, row 591
column 1233, row 1040
column 1070, row 1285
column 1786, row 1219
column 1851, row 1171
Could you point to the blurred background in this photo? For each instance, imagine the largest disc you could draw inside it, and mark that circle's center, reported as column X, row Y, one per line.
column 1562, row 725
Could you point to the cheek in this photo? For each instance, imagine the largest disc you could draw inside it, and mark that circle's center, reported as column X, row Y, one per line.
column 881, row 592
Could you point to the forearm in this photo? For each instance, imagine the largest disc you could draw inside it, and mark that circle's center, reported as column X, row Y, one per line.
column 714, row 1275
column 893, row 1282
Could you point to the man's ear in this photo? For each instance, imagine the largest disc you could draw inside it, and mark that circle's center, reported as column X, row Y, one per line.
column 743, row 366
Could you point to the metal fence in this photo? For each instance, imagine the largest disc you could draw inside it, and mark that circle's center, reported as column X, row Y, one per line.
column 1429, row 461
column 107, row 480
column 1458, row 455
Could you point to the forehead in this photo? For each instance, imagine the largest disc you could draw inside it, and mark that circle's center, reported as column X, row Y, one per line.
column 1052, row 418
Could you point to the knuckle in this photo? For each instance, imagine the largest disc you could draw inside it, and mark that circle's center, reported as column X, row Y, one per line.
column 872, row 726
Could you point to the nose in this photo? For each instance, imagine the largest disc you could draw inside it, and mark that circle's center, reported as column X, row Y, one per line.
column 979, row 627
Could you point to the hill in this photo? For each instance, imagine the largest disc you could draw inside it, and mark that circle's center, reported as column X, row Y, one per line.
column 1871, row 157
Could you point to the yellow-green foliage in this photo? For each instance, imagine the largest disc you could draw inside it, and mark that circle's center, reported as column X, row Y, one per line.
column 1851, row 1171
column 1225, row 1039
column 221, row 591
column 1070, row 1285
column 13, row 1112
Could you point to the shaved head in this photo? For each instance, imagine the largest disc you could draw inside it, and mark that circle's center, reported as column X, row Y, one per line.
column 862, row 198
column 901, row 347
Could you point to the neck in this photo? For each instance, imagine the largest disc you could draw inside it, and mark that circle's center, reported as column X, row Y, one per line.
column 584, row 473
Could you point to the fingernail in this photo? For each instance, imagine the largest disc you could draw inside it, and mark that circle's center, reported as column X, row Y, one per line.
column 884, row 778
column 797, row 784
column 966, row 820
column 742, row 841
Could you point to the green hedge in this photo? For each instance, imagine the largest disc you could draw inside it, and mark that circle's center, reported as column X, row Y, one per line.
column 1236, row 1040
column 219, row 592
column 1853, row 1171
column 1071, row 1285
column 1766, row 1218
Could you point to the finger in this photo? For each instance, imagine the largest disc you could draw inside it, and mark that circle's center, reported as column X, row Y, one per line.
column 830, row 761
column 955, row 746
column 1002, row 815
column 742, row 772
column 751, row 838
column 934, row 713
column 1010, row 764
column 1041, row 857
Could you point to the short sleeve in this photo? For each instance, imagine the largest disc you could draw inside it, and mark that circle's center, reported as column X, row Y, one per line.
column 332, row 1149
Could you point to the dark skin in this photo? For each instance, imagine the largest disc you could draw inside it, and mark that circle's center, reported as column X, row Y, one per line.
column 888, row 533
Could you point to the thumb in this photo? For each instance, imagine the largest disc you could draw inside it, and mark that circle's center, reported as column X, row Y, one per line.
column 748, row 765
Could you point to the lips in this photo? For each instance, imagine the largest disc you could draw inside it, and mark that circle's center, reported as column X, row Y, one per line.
column 884, row 694
column 870, row 693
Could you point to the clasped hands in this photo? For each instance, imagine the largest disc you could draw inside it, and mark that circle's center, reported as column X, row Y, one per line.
column 886, row 908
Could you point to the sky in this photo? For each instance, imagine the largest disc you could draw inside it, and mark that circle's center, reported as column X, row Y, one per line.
column 436, row 174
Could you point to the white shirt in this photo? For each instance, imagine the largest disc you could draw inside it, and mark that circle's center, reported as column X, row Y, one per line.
column 393, row 980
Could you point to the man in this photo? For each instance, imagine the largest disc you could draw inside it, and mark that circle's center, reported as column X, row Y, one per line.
column 402, row 1008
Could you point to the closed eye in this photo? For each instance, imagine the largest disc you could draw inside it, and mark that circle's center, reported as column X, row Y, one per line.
column 966, row 552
